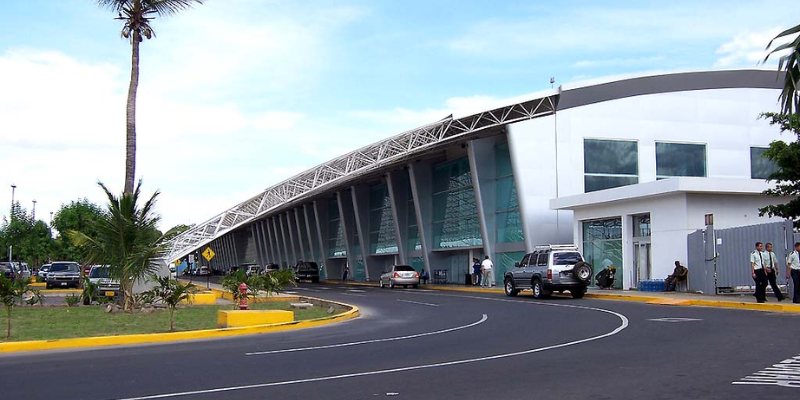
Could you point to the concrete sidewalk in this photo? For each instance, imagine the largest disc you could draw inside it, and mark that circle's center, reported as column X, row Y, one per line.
column 737, row 301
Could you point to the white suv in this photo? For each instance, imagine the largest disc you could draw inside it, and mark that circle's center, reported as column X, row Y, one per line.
column 550, row 268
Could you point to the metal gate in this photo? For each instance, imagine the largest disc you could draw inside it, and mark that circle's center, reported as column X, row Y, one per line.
column 719, row 259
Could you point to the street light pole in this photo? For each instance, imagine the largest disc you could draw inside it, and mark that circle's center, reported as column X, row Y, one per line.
column 13, row 189
column 33, row 213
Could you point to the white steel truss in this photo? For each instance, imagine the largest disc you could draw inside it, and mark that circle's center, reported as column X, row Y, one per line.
column 353, row 165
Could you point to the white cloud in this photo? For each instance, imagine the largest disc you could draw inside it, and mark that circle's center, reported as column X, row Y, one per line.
column 277, row 120
column 747, row 49
column 619, row 62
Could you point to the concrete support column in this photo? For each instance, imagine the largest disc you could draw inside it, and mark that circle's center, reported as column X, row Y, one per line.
column 360, row 198
column 282, row 234
column 420, row 176
column 319, row 217
column 292, row 245
column 482, row 168
column 307, row 219
column 345, row 217
column 299, row 235
column 396, row 197
column 258, row 244
column 274, row 235
column 627, row 253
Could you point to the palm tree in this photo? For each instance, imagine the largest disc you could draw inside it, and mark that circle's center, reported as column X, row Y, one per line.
column 136, row 16
column 125, row 239
column 790, row 96
column 171, row 292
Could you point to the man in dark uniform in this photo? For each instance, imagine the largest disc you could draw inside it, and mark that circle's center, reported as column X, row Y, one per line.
column 772, row 272
column 759, row 275
column 678, row 275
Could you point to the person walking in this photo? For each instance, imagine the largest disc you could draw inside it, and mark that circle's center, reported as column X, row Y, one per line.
column 476, row 272
column 772, row 272
column 793, row 272
column 759, row 275
column 345, row 272
column 486, row 268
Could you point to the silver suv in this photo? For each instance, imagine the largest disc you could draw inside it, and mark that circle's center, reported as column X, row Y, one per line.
column 550, row 268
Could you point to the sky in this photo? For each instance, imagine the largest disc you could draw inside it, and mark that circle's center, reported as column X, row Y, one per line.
column 238, row 95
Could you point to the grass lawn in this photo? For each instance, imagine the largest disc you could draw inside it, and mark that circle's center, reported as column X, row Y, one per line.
column 37, row 323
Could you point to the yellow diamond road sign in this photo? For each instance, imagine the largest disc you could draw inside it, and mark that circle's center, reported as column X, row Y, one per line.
column 208, row 254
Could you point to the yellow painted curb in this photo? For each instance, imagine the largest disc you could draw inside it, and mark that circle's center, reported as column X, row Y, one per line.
column 233, row 318
column 98, row 341
column 52, row 291
column 670, row 302
column 39, row 284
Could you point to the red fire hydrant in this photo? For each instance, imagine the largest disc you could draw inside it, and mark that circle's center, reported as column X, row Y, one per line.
column 243, row 297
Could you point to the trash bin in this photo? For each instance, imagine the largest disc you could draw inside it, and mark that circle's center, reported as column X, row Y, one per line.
column 468, row 279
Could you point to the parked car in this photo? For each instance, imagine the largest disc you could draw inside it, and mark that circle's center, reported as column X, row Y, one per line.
column 203, row 271
column 549, row 268
column 41, row 276
column 173, row 272
column 86, row 269
column 24, row 270
column 399, row 275
column 250, row 269
column 8, row 270
column 271, row 268
column 106, row 286
column 307, row 270
column 63, row 274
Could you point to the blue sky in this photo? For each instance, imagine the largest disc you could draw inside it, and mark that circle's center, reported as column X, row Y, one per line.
column 237, row 95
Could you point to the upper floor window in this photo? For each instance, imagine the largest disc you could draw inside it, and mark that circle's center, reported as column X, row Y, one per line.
column 680, row 159
column 760, row 166
column 610, row 163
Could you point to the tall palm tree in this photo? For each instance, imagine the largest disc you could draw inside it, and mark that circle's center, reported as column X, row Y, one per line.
column 136, row 16
column 790, row 96
column 126, row 239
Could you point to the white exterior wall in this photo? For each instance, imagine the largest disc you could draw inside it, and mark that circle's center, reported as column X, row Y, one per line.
column 729, row 211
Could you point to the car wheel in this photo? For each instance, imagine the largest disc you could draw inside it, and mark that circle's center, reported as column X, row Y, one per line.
column 315, row 280
column 538, row 290
column 47, row 286
column 391, row 284
column 414, row 286
column 405, row 286
column 380, row 283
column 582, row 271
column 578, row 293
column 508, row 286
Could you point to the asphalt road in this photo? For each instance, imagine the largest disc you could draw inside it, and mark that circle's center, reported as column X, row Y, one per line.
column 419, row 344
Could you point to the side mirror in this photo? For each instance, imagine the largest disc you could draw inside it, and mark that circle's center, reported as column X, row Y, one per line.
column 516, row 265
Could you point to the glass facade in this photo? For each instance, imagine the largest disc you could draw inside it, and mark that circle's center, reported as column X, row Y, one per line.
column 610, row 163
column 336, row 244
column 760, row 166
column 602, row 246
column 680, row 159
column 455, row 214
column 641, row 224
column 413, row 242
column 505, row 262
column 383, row 239
column 509, row 222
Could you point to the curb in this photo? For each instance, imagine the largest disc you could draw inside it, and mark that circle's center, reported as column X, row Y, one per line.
column 654, row 300
column 148, row 338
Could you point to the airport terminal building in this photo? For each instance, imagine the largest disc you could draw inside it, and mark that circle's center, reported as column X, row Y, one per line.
column 625, row 169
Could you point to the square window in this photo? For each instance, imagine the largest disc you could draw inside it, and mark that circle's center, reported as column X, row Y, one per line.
column 680, row 159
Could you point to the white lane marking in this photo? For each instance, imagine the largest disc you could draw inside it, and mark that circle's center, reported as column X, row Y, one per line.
column 418, row 302
column 324, row 288
column 785, row 373
column 355, row 291
column 671, row 319
column 391, row 339
column 620, row 328
column 310, row 290
column 289, row 292
column 355, row 294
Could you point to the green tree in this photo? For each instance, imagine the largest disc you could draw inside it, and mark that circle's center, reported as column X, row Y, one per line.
column 786, row 157
column 171, row 292
column 80, row 215
column 273, row 282
column 126, row 239
column 10, row 291
column 177, row 230
column 30, row 239
column 790, row 96
column 136, row 16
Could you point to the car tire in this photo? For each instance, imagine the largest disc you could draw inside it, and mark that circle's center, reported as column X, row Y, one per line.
column 405, row 286
column 508, row 287
column 391, row 285
column 577, row 293
column 538, row 289
column 380, row 283
column 315, row 280
column 414, row 286
column 582, row 271
column 48, row 286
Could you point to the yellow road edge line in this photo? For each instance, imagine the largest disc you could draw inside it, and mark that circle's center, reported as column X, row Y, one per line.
column 99, row 341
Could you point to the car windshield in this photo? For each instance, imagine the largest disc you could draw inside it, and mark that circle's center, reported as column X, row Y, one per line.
column 64, row 268
column 46, row 268
column 566, row 258
column 403, row 268
column 101, row 272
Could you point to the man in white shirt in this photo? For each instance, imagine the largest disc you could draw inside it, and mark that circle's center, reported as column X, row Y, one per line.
column 793, row 271
column 758, row 273
column 486, row 269
column 771, row 262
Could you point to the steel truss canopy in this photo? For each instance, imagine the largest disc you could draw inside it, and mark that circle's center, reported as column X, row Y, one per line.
column 356, row 164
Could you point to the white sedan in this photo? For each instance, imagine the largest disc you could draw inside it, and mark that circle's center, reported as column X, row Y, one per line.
column 399, row 275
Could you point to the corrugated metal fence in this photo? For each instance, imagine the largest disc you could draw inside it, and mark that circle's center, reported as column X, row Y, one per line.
column 719, row 259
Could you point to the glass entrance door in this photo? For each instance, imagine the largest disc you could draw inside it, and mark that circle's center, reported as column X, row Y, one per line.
column 642, row 262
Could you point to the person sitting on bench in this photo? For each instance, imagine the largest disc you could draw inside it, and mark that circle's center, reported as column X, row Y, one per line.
column 605, row 278
column 678, row 275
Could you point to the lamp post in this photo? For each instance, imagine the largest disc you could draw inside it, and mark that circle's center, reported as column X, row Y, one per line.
column 51, row 224
column 33, row 212
column 13, row 189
